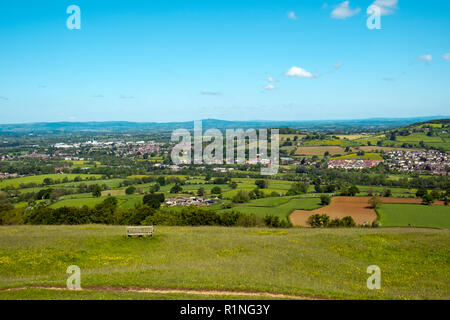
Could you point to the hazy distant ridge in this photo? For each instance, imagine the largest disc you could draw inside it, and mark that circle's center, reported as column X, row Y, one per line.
column 112, row 126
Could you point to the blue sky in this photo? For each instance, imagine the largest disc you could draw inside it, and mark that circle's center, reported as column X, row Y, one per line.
column 164, row 60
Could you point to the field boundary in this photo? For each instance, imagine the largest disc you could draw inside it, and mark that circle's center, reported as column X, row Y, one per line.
column 174, row 291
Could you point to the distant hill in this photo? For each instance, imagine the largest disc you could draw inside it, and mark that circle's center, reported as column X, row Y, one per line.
column 373, row 124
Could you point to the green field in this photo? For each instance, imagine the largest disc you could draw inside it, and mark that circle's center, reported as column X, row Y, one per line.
column 367, row 156
column 126, row 202
column 304, row 262
column 40, row 179
column 281, row 207
column 416, row 215
column 334, row 142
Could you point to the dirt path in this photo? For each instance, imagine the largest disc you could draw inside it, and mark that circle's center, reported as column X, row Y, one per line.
column 182, row 291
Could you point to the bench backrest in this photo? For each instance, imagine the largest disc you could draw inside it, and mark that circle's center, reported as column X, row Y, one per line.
column 140, row 231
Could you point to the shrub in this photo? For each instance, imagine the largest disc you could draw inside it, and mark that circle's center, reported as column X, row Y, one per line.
column 176, row 189
column 348, row 222
column 374, row 202
column 201, row 192
column 250, row 220
column 325, row 200
column 335, row 223
column 298, row 188
column 427, row 199
column 97, row 191
column 353, row 190
column 130, row 190
column 230, row 218
column 216, row 190
column 161, row 181
column 153, row 200
column 262, row 184
column 421, row 192
column 318, row 220
column 233, row 184
column 387, row 193
column 241, row 196
column 155, row 188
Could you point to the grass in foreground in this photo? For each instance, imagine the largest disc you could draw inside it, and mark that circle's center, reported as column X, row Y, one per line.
column 46, row 294
column 315, row 263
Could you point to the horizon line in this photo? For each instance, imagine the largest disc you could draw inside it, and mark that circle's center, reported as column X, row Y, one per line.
column 206, row 119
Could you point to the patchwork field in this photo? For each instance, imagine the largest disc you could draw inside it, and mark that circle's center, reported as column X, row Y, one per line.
column 414, row 215
column 319, row 151
column 385, row 149
column 40, row 179
column 340, row 207
column 305, row 263
column 358, row 208
column 367, row 156
column 281, row 207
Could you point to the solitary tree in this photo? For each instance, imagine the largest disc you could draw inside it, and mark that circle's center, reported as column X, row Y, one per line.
column 216, row 190
column 155, row 188
column 233, row 184
column 325, row 200
column 176, row 188
column 201, row 192
column 427, row 199
column 374, row 202
column 262, row 184
column 97, row 191
column 130, row 190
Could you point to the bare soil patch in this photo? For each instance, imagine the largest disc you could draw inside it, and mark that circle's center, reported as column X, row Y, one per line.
column 356, row 207
column 181, row 291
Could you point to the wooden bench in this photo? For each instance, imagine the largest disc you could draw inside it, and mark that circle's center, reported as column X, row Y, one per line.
column 140, row 231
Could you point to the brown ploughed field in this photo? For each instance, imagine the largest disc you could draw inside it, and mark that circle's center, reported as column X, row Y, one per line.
column 356, row 207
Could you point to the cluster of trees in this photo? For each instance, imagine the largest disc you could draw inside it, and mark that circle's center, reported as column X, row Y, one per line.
column 367, row 177
column 428, row 198
column 147, row 213
column 324, row 221
column 50, row 181
column 349, row 192
column 298, row 188
column 243, row 196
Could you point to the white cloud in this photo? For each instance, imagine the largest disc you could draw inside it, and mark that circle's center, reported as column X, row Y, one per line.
column 446, row 56
column 299, row 73
column 269, row 87
column 338, row 65
column 386, row 6
column 292, row 16
column 270, row 79
column 343, row 11
column 427, row 57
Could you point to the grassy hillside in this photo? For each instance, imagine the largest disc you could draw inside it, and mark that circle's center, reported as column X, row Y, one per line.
column 315, row 263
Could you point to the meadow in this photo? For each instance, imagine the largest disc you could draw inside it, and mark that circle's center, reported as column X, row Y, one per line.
column 39, row 179
column 366, row 156
column 311, row 263
column 281, row 207
column 414, row 215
